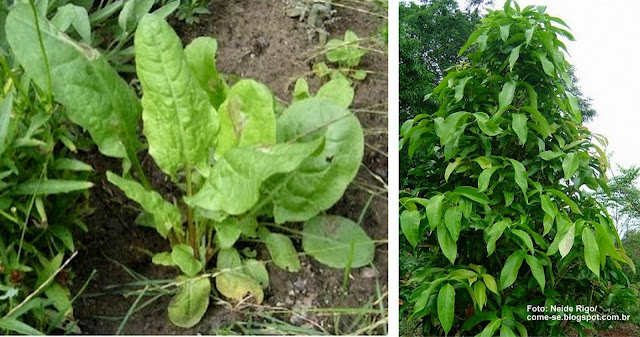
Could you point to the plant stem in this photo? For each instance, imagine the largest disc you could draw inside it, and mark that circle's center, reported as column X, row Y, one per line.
column 138, row 168
column 191, row 227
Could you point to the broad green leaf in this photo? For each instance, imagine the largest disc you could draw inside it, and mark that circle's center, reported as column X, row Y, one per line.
column 229, row 258
column 163, row 259
column 301, row 90
column 528, row 34
column 550, row 155
column 547, row 66
column 494, row 233
column 572, row 204
column 472, row 39
column 191, row 302
column 459, row 90
column 490, row 282
column 179, row 122
column 337, row 90
column 165, row 215
column 434, row 210
column 233, row 185
column 591, row 250
column 76, row 16
column 480, row 291
column 486, row 125
column 536, row 269
column 446, row 306
column 519, row 125
column 485, row 177
column 451, row 167
column 491, row 328
column 92, row 92
column 237, row 286
column 336, row 241
column 547, row 205
column 510, row 270
column 567, row 241
column 506, row 95
column 447, row 244
column 473, row 194
column 520, row 175
column 15, row 325
column 453, row 219
column 513, row 56
column 410, row 225
column 257, row 271
column 247, row 117
column 201, row 57
column 182, row 255
column 547, row 224
column 483, row 162
column 321, row 180
column 570, row 165
column 282, row 252
column 525, row 238
column 504, row 32
column 445, row 129
column 505, row 331
column 575, row 110
column 227, row 232
column 50, row 186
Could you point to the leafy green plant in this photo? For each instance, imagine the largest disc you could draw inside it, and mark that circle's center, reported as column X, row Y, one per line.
column 236, row 163
column 41, row 201
column 510, row 217
column 346, row 54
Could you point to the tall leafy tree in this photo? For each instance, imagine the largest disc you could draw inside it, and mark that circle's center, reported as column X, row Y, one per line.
column 508, row 214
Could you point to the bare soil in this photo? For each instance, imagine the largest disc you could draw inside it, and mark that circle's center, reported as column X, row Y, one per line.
column 256, row 40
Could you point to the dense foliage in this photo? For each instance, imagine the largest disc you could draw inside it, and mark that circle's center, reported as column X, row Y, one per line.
column 506, row 215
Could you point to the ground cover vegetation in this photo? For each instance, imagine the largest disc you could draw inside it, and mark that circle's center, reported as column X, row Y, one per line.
column 502, row 211
column 242, row 163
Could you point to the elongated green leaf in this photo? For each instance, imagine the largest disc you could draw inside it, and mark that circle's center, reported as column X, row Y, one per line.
column 494, row 233
column 539, row 119
column 519, row 124
column 486, row 125
column 504, row 32
column 505, row 331
column 233, row 186
column 525, row 238
column 446, row 306
column 490, row 282
column 570, row 165
column 567, row 241
column 445, row 129
column 321, row 180
column 282, row 252
column 337, row 242
column 520, row 175
column 434, row 210
column 506, row 95
column 513, row 56
column 201, row 57
column 93, row 94
column 71, row 165
column 191, row 302
column 451, row 167
column 547, row 205
column 14, row 325
column 448, row 246
column 550, row 155
column 410, row 225
column 510, row 270
column 491, row 328
column 165, row 215
column 480, row 292
column 591, row 250
column 179, row 122
column 473, row 194
column 5, row 115
column 453, row 219
column 459, row 90
column 247, row 117
column 572, row 204
column 472, row 39
column 485, row 177
column 547, row 66
column 536, row 269
column 51, row 186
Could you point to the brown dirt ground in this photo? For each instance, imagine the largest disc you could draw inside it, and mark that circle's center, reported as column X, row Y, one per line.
column 257, row 40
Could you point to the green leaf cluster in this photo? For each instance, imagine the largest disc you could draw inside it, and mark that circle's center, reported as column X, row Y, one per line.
column 514, row 174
